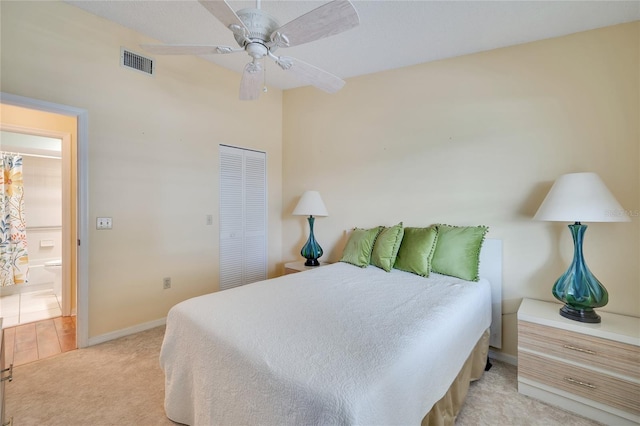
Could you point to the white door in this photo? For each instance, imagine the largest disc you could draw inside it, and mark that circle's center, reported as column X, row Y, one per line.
column 243, row 216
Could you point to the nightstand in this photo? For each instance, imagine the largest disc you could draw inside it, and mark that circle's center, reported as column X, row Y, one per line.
column 590, row 369
column 293, row 267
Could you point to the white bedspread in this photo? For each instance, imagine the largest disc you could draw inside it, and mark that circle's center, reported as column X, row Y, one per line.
column 335, row 345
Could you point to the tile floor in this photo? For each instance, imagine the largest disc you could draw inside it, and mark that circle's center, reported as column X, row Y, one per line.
column 28, row 307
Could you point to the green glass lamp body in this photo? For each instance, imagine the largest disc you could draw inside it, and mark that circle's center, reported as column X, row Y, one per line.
column 311, row 250
column 578, row 288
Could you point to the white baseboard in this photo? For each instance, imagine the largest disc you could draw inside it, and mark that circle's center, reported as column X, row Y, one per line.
column 501, row 356
column 126, row 331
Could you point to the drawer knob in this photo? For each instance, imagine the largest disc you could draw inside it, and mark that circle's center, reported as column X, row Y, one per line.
column 575, row 348
column 581, row 383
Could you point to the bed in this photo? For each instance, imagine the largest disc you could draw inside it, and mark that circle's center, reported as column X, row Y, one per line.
column 335, row 345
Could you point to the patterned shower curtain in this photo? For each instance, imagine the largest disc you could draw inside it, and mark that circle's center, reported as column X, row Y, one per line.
column 14, row 262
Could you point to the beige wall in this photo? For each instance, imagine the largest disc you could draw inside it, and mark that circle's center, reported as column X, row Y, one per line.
column 479, row 139
column 43, row 203
column 153, row 154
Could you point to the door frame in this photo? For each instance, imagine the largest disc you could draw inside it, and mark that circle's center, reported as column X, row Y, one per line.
column 82, row 147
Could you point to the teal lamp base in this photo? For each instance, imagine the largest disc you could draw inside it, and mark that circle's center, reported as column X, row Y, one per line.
column 311, row 250
column 582, row 315
column 578, row 288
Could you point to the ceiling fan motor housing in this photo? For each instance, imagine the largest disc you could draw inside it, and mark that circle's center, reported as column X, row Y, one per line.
column 259, row 23
column 256, row 50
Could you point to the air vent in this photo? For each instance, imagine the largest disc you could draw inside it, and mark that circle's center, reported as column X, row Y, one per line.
column 136, row 62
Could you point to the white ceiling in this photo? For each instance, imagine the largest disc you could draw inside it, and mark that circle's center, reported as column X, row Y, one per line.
column 391, row 34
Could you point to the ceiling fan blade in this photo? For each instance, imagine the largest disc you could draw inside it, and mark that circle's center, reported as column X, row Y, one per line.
column 188, row 49
column 310, row 74
column 327, row 20
column 252, row 81
column 225, row 14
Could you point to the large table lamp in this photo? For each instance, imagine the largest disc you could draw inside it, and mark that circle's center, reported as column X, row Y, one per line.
column 580, row 197
column 311, row 205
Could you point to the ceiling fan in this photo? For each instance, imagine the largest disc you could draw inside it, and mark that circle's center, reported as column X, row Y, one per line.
column 259, row 34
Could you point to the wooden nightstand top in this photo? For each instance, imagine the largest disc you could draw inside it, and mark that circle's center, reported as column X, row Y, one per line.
column 615, row 327
column 299, row 266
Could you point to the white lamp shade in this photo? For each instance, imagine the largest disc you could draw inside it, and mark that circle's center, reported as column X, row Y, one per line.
column 310, row 204
column 580, row 197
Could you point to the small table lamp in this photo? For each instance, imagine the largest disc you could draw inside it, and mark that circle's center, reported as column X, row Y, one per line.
column 311, row 204
column 580, row 197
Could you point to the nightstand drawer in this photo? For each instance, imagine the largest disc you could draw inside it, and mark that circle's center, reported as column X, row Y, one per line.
column 613, row 356
column 589, row 384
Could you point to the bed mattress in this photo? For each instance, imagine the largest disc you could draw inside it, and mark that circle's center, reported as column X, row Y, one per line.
column 335, row 345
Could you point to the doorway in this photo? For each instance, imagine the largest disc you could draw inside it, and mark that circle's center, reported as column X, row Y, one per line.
column 69, row 124
column 43, row 182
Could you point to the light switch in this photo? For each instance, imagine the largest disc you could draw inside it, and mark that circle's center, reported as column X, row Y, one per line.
column 103, row 223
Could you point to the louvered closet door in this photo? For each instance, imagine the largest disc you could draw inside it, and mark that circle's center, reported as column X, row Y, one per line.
column 255, row 217
column 243, row 217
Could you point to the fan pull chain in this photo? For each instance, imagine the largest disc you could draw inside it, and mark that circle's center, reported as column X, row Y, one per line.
column 264, row 76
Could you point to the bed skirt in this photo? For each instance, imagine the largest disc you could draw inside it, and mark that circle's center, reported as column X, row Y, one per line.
column 445, row 411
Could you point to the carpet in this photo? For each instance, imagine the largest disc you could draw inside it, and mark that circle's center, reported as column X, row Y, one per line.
column 115, row 383
column 120, row 383
column 494, row 400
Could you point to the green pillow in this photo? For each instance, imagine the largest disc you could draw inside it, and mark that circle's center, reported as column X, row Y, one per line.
column 416, row 250
column 359, row 247
column 458, row 251
column 386, row 247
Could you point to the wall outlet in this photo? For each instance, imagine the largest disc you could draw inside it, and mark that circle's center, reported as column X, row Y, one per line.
column 103, row 223
column 166, row 283
column 209, row 219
